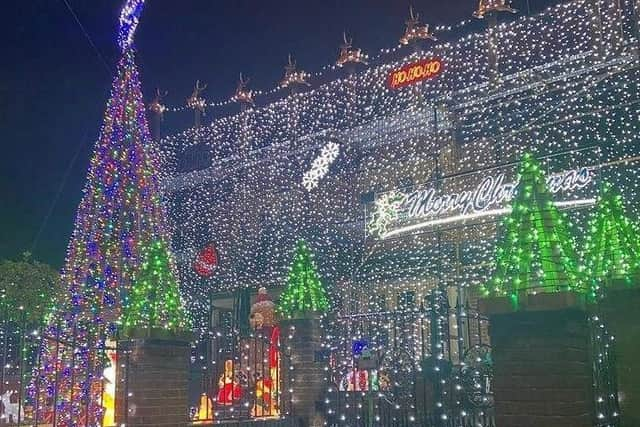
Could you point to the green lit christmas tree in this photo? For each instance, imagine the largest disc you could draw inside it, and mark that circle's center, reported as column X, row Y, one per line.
column 612, row 249
column 536, row 252
column 154, row 301
column 304, row 292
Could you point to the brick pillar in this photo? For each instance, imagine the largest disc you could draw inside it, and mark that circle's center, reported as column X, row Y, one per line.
column 153, row 381
column 308, row 375
column 542, row 362
column 619, row 310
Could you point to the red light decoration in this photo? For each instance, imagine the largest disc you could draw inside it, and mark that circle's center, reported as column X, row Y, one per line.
column 415, row 72
column 206, row 261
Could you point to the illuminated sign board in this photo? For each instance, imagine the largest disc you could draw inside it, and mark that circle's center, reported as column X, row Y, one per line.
column 477, row 196
column 415, row 72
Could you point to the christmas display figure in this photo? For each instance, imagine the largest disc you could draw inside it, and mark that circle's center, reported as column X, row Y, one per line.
column 205, row 409
column 229, row 390
column 119, row 217
column 262, row 311
column 267, row 386
column 304, row 292
column 355, row 380
column 536, row 252
column 486, row 7
column 293, row 77
column 243, row 95
column 415, row 30
column 197, row 103
column 12, row 411
column 349, row 55
column 612, row 250
column 154, row 300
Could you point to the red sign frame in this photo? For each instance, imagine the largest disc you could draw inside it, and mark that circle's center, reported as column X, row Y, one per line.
column 415, row 72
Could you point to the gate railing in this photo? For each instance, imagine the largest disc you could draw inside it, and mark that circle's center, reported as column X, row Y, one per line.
column 27, row 399
column 242, row 377
column 429, row 366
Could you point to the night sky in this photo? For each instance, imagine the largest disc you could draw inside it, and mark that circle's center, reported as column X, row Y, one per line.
column 54, row 85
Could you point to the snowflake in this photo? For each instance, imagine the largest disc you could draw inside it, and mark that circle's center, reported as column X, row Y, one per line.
column 309, row 182
column 320, row 166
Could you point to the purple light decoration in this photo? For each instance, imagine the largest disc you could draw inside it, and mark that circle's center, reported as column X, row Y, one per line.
column 129, row 19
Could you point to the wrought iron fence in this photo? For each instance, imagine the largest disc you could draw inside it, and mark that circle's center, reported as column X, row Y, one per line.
column 27, row 399
column 17, row 360
column 428, row 366
column 242, row 377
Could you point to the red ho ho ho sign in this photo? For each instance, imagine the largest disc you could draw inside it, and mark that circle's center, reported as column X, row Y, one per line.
column 415, row 72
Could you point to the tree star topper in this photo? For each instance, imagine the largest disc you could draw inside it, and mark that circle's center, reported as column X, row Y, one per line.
column 129, row 18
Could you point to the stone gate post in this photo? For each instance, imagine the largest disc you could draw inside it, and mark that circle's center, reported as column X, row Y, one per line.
column 153, row 375
column 308, row 377
column 542, row 361
column 619, row 310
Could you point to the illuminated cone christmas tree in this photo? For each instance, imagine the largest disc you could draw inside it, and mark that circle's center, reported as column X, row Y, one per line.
column 154, row 300
column 612, row 249
column 304, row 292
column 120, row 216
column 536, row 252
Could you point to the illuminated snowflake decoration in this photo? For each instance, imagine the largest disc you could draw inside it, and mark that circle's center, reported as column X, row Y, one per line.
column 386, row 211
column 320, row 166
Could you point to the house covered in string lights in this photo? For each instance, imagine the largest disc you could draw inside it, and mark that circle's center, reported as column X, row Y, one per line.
column 397, row 175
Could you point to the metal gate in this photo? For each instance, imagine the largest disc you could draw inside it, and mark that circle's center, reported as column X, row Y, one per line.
column 240, row 375
column 428, row 366
column 431, row 366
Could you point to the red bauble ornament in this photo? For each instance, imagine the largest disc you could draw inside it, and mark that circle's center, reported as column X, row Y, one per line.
column 206, row 261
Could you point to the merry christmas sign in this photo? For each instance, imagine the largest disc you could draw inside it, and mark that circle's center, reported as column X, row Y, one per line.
column 471, row 197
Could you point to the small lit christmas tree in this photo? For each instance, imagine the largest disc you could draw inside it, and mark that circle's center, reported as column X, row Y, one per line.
column 612, row 249
column 304, row 292
column 536, row 252
column 154, row 301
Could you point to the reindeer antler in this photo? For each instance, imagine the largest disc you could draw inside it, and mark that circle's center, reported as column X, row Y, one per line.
column 160, row 95
column 411, row 14
column 347, row 43
column 197, row 88
column 242, row 83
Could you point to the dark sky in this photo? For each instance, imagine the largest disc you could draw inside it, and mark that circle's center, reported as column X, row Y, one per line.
column 53, row 85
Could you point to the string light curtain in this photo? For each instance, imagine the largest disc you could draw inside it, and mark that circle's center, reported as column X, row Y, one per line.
column 564, row 85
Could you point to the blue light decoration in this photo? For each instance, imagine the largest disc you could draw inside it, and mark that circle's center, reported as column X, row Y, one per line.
column 129, row 18
column 359, row 346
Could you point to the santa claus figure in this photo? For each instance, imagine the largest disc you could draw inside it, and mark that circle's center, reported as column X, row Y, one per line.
column 263, row 312
column 263, row 319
